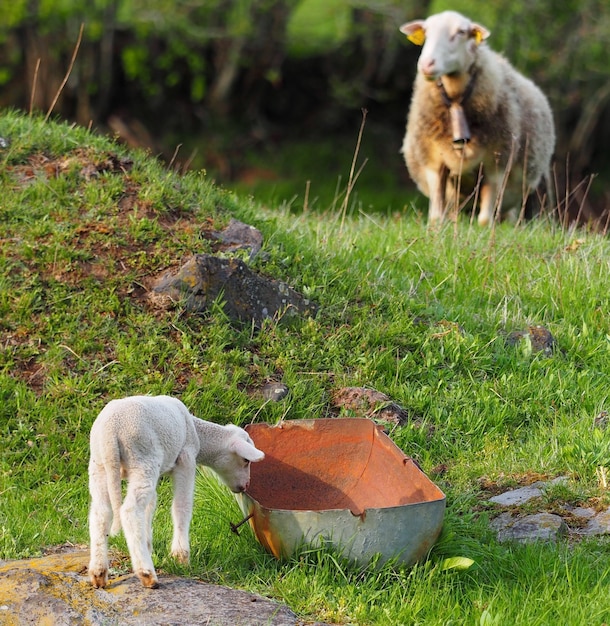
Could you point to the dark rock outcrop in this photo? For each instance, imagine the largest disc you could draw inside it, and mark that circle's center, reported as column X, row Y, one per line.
column 246, row 296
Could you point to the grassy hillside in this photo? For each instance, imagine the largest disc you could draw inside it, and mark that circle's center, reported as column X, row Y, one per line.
column 420, row 315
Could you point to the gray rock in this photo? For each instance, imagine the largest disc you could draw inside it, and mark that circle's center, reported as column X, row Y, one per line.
column 582, row 512
column 598, row 525
column 246, row 296
column 517, row 496
column 503, row 521
column 34, row 589
column 240, row 236
column 537, row 527
column 524, row 494
column 274, row 391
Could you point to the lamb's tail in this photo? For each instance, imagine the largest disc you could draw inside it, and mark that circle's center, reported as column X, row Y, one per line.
column 112, row 463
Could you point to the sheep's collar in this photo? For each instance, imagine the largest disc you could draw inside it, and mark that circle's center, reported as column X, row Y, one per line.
column 459, row 124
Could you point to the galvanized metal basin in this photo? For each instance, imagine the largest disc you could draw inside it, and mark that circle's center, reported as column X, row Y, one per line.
column 343, row 482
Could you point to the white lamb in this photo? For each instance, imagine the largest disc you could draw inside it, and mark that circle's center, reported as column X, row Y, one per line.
column 140, row 438
column 471, row 108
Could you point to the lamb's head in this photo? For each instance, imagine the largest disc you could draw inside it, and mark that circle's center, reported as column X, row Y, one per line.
column 449, row 43
column 233, row 463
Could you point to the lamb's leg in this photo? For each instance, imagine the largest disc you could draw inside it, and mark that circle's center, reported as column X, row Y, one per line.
column 141, row 493
column 100, row 519
column 183, row 477
column 150, row 512
column 436, row 179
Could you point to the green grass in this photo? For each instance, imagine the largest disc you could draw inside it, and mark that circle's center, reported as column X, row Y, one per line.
column 314, row 173
column 419, row 314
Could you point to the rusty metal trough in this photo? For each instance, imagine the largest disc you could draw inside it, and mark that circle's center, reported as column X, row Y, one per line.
column 343, row 482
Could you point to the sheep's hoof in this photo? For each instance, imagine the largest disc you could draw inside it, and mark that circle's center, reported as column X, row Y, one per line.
column 99, row 580
column 149, row 580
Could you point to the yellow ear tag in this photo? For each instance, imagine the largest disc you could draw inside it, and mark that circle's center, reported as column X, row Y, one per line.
column 417, row 37
column 478, row 37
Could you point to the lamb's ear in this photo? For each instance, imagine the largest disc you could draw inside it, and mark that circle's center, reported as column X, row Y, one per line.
column 415, row 32
column 479, row 33
column 246, row 450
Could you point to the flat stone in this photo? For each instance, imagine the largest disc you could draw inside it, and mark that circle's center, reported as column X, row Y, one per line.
column 583, row 512
column 501, row 522
column 598, row 525
column 517, row 496
column 537, row 527
column 32, row 590
column 524, row 494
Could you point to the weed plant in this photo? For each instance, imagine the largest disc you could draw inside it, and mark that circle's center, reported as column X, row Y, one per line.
column 419, row 314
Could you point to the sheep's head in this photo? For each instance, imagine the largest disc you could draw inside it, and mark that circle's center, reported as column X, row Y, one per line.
column 233, row 464
column 449, row 43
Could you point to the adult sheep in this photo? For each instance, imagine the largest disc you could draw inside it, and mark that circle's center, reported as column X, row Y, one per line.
column 473, row 114
column 140, row 438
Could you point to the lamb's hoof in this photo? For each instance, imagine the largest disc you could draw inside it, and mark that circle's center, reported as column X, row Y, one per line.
column 149, row 580
column 99, row 580
column 182, row 557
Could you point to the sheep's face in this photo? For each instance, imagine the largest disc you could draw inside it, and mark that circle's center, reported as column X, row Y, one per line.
column 449, row 42
column 233, row 465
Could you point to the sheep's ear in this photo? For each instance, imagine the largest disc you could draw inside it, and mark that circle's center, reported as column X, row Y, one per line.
column 246, row 450
column 415, row 32
column 479, row 33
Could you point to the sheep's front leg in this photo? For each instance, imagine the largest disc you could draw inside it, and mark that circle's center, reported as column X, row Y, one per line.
column 183, row 477
column 436, row 179
column 100, row 519
column 487, row 211
column 136, row 514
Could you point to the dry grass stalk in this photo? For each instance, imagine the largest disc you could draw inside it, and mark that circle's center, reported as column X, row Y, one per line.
column 67, row 76
column 353, row 176
column 34, row 83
